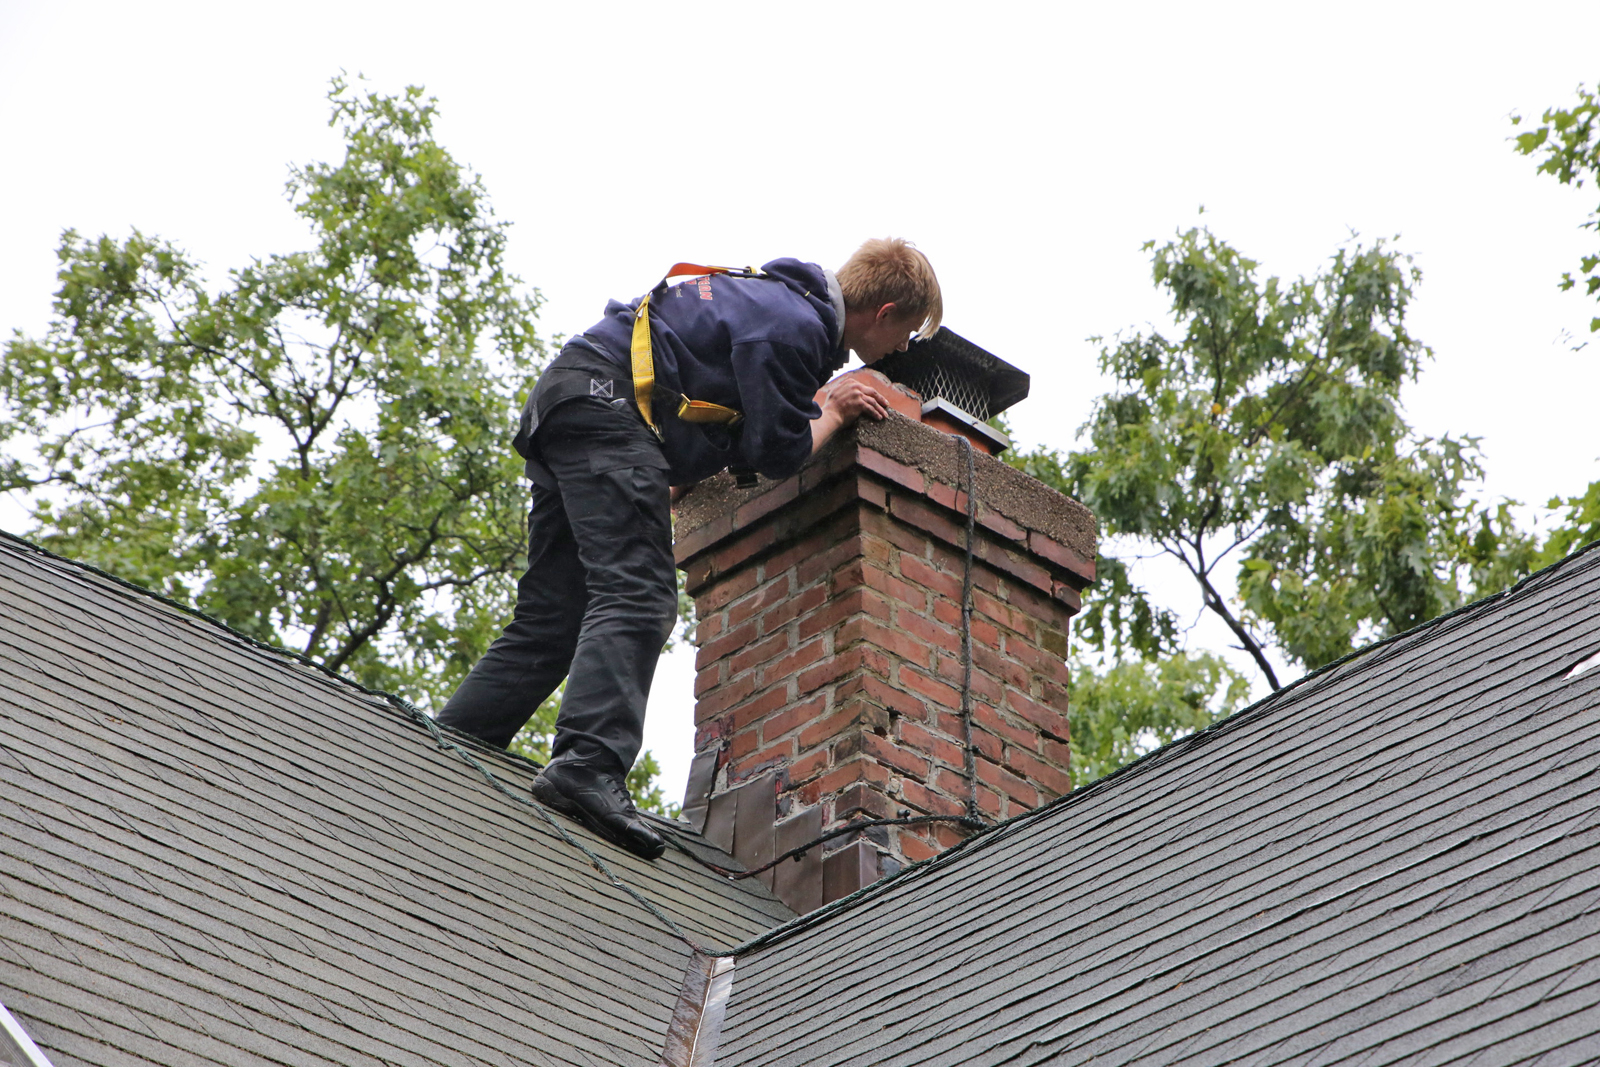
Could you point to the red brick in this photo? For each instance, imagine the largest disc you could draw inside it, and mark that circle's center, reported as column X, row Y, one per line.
column 707, row 627
column 723, row 697
column 1036, row 605
column 771, row 500
column 753, row 602
column 876, row 550
column 916, row 850
column 863, row 799
column 899, row 473
column 989, row 802
column 901, row 759
column 730, row 555
column 862, row 657
column 705, row 679
column 887, row 584
column 1060, row 555
column 882, row 693
column 833, row 726
column 986, row 603
column 758, row 653
column 930, row 577
column 1015, row 564
column 771, row 756
column 699, row 572
column 781, row 614
column 742, row 744
column 821, row 561
column 841, row 607
column 757, row 708
column 948, row 496
column 986, row 743
column 1053, row 780
column 928, row 802
column 952, row 783
column 872, row 491
column 734, row 639
column 931, row 744
column 997, row 523
column 895, row 642
column 1057, row 752
column 796, row 661
column 907, row 539
column 1071, row 598
column 1049, row 720
column 915, row 512
column 953, row 561
column 1008, row 783
column 984, row 687
column 805, row 768
column 794, row 718
column 1035, row 659
column 995, row 723
column 998, row 665
column 806, row 546
column 983, row 633
column 1053, row 696
column 919, row 682
column 949, row 836
column 861, row 770
column 925, row 629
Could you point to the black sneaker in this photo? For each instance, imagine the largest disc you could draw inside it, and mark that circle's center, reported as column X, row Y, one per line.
column 596, row 798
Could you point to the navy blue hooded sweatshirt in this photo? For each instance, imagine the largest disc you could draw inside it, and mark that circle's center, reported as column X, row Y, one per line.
column 762, row 346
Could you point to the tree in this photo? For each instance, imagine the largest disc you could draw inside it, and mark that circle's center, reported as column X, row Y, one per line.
column 1267, row 437
column 1569, row 146
column 1271, row 432
column 315, row 453
column 1135, row 705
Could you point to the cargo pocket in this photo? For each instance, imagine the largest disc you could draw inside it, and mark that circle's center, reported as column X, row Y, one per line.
column 615, row 455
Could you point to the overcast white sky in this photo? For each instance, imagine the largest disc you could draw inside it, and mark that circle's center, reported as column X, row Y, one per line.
column 1028, row 149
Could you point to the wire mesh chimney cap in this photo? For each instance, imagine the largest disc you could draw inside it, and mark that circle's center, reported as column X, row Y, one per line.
column 949, row 367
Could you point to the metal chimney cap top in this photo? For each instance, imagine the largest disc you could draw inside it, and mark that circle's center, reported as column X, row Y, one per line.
column 947, row 366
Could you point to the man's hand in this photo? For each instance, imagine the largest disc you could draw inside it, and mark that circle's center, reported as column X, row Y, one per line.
column 843, row 401
column 853, row 397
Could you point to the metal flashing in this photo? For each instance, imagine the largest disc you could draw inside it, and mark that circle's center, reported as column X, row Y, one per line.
column 696, row 1026
column 999, row 440
column 16, row 1047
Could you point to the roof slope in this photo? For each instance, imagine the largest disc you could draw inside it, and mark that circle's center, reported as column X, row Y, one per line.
column 212, row 854
column 1397, row 861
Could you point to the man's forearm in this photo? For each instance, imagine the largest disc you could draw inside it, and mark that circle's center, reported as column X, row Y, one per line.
column 823, row 427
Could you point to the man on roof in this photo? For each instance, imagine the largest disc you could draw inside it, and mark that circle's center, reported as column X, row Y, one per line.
column 737, row 360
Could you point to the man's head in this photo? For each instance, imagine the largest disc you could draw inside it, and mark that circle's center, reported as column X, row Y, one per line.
column 890, row 292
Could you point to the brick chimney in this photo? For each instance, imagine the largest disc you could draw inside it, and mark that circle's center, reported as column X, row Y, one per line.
column 829, row 612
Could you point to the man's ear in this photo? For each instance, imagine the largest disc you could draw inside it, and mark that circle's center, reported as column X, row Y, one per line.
column 885, row 313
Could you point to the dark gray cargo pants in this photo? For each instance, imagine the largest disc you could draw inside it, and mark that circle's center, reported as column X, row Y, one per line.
column 600, row 594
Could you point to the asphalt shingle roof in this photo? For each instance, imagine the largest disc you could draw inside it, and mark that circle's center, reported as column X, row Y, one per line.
column 210, row 853
column 1397, row 861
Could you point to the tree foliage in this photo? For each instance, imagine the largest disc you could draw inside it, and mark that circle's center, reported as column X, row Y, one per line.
column 315, row 452
column 1568, row 148
column 1136, row 705
column 1268, row 437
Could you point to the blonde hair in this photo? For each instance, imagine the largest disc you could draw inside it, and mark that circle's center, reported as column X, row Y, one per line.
column 890, row 270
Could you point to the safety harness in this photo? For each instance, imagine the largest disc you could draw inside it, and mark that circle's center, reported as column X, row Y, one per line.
column 644, row 360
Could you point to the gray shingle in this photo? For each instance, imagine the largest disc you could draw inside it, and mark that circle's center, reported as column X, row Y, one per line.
column 212, row 854
column 1397, row 861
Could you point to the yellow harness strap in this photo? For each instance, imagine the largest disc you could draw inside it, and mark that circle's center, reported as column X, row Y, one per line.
column 644, row 360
